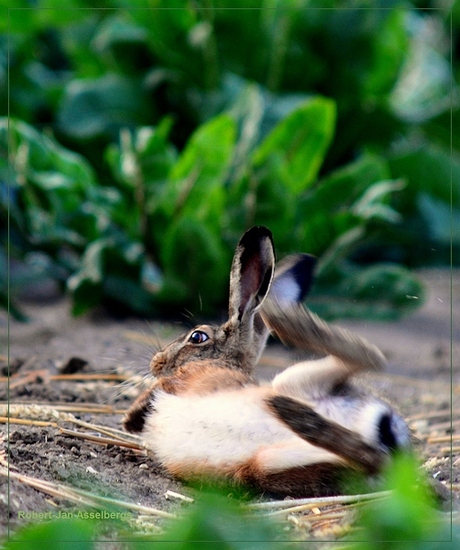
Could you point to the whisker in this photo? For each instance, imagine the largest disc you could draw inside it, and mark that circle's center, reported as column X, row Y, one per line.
column 187, row 314
column 152, row 333
column 128, row 386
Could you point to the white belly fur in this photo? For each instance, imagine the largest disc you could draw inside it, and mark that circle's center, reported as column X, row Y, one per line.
column 223, row 429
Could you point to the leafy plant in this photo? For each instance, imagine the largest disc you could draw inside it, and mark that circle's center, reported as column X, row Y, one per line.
column 163, row 235
column 409, row 518
column 170, row 138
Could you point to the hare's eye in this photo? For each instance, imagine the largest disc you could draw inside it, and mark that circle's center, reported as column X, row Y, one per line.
column 198, row 337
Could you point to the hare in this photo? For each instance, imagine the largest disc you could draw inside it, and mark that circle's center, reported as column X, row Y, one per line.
column 211, row 358
column 206, row 417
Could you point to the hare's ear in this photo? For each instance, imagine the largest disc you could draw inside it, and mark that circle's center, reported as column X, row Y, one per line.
column 293, row 278
column 252, row 272
column 291, row 283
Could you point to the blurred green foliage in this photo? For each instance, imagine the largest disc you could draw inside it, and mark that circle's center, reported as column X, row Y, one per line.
column 407, row 518
column 141, row 142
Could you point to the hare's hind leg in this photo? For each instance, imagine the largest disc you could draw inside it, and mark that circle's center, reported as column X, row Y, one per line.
column 326, row 434
column 294, row 468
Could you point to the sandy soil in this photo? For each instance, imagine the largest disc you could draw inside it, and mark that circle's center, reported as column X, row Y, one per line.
column 419, row 380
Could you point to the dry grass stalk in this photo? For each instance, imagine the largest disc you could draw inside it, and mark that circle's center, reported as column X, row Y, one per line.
column 128, row 505
column 319, row 502
column 433, row 414
column 443, row 439
column 444, row 425
column 331, row 516
column 80, row 497
column 332, row 529
column 173, row 494
column 82, row 408
column 18, row 380
column 25, row 378
column 40, row 415
column 448, row 450
column 55, row 418
column 24, row 366
column 295, row 509
column 90, row 376
column 112, row 432
column 33, row 412
column 21, row 379
column 101, row 440
column 24, row 422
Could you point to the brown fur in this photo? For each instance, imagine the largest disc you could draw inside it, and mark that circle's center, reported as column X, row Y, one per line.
column 186, row 366
column 297, row 326
column 196, row 378
column 199, row 378
column 325, row 434
column 223, row 357
column 319, row 479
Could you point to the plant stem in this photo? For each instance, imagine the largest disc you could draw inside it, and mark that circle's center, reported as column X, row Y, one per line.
column 280, row 45
column 211, row 61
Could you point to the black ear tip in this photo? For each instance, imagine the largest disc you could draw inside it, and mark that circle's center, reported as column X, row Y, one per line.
column 295, row 276
column 307, row 261
column 256, row 233
column 304, row 273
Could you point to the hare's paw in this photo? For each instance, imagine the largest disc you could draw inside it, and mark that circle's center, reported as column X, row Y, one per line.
column 135, row 418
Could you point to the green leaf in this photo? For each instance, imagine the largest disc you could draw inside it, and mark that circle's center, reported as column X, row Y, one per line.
column 91, row 265
column 343, row 187
column 430, row 169
column 374, row 202
column 118, row 29
column 300, row 143
column 424, row 87
column 443, row 222
column 35, row 152
column 195, row 187
column 193, row 258
column 380, row 292
column 339, row 248
column 390, row 283
column 248, row 110
column 143, row 157
column 388, row 52
column 220, row 521
column 99, row 107
column 340, row 203
column 58, row 535
column 129, row 292
column 407, row 518
column 110, row 269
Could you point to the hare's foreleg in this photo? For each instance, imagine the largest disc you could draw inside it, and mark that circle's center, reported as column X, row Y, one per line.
column 135, row 418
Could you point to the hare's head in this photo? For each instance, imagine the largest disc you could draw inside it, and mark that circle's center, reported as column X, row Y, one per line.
column 238, row 342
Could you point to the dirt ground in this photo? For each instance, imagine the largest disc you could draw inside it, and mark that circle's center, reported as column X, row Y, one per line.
column 81, row 364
